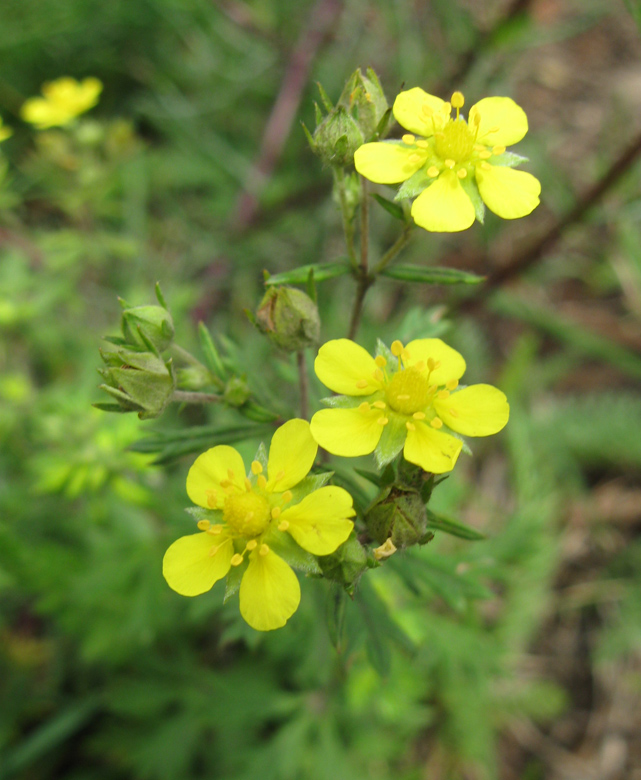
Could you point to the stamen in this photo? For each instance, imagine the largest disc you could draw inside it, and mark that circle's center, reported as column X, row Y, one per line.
column 286, row 497
column 362, row 384
column 380, row 361
column 485, row 155
column 213, row 550
column 414, row 158
column 433, row 171
column 427, row 110
column 385, row 550
column 436, row 423
column 261, row 481
column 382, row 421
column 419, row 415
column 498, row 150
column 452, row 384
column 248, row 485
column 422, row 144
column 225, row 483
column 276, row 512
column 204, row 525
column 485, row 166
column 410, row 426
column 252, row 544
column 461, row 173
column 379, row 375
column 236, row 559
column 283, row 525
column 443, row 394
column 449, row 163
column 408, row 139
column 379, row 404
column 264, row 550
column 212, row 498
column 231, row 475
column 458, row 101
column 397, row 348
column 432, row 364
column 364, row 407
column 453, row 412
column 215, row 530
column 279, row 476
column 257, row 468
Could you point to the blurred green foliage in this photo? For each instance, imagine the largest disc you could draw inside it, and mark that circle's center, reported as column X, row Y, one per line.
column 105, row 673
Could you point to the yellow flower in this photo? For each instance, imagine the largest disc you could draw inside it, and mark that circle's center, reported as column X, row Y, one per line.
column 251, row 517
column 407, row 399
column 64, row 99
column 454, row 166
column 5, row 132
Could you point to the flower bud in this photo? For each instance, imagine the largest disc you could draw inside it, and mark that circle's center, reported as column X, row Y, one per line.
column 398, row 514
column 139, row 381
column 152, row 322
column 364, row 98
column 236, row 391
column 290, row 318
column 337, row 137
column 346, row 565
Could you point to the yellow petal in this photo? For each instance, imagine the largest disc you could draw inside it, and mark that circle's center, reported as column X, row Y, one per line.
column 408, row 111
column 269, row 592
column 503, row 122
column 209, row 470
column 387, row 162
column 449, row 363
column 478, row 410
column 39, row 112
column 510, row 194
column 188, row 566
column 291, row 454
column 342, row 365
column 430, row 449
column 319, row 523
column 444, row 207
column 347, row 432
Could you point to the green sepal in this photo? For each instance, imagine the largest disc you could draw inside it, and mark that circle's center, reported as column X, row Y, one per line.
column 471, row 189
column 384, row 351
column 343, row 401
column 201, row 513
column 439, row 522
column 392, row 439
column 308, row 135
column 105, row 407
column 261, row 456
column 234, row 576
column 416, row 183
column 308, row 485
column 508, row 160
column 321, row 271
column 430, row 275
column 292, row 553
column 324, row 97
column 160, row 297
column 392, row 208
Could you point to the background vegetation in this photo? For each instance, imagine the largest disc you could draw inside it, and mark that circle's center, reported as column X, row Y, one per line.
column 513, row 657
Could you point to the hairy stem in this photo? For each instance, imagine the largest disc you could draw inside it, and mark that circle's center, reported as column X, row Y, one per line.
column 188, row 397
column 348, row 227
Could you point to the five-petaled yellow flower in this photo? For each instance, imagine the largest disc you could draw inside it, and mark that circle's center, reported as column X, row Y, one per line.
column 454, row 166
column 5, row 132
column 407, row 400
column 63, row 100
column 251, row 514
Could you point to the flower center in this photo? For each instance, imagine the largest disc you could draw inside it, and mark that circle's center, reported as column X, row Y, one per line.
column 408, row 391
column 246, row 514
column 455, row 141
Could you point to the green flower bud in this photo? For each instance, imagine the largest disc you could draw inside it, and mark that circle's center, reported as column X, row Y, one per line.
column 336, row 138
column 193, row 377
column 290, row 318
column 139, row 381
column 237, row 391
column 364, row 98
column 398, row 514
column 346, row 565
column 152, row 322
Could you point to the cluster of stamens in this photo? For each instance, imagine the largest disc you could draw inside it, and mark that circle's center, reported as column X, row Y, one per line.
column 454, row 141
column 408, row 390
column 247, row 511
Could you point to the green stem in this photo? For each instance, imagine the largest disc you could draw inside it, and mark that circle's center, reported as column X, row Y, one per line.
column 364, row 227
column 396, row 247
column 348, row 227
column 188, row 397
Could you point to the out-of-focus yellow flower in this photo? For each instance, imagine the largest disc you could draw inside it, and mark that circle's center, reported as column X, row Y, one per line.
column 454, row 166
column 409, row 402
column 5, row 132
column 250, row 516
column 63, row 100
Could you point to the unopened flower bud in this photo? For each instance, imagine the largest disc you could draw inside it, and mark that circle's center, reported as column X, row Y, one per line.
column 290, row 318
column 236, row 391
column 337, row 137
column 152, row 322
column 364, row 98
column 346, row 565
column 398, row 514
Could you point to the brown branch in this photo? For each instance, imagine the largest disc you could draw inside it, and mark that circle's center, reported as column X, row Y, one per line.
column 279, row 124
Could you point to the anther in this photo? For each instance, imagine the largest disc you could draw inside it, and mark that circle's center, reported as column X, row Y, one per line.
column 261, row 481
column 427, row 109
column 248, row 485
column 275, row 513
column 215, row 530
column 433, row 171
column 498, row 150
column 378, row 375
column 449, row 163
column 379, row 404
column 422, row 144
column 257, row 468
column 236, row 559
column 252, row 544
column 436, row 423
column 380, row 361
column 415, row 158
column 286, row 497
column 461, row 173
column 408, row 139
column 211, row 498
column 410, row 426
column 443, row 394
column 485, row 155
column 364, row 407
column 382, row 421
column 458, row 101
column 283, row 525
column 485, row 166
column 397, row 348
column 225, row 483
column 213, row 550
column 362, row 384
column 204, row 525
column 452, row 384
column 431, row 364
column 264, row 550
column 419, row 415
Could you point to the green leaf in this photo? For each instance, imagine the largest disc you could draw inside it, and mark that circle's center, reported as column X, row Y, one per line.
column 431, row 275
column 212, row 357
column 321, row 271
column 452, row 527
column 392, row 208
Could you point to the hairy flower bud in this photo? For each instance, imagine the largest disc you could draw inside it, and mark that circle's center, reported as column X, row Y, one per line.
column 346, row 565
column 398, row 514
column 364, row 98
column 290, row 318
column 152, row 322
column 337, row 137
